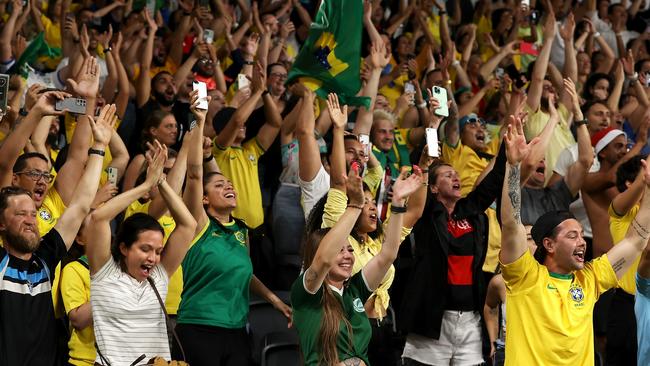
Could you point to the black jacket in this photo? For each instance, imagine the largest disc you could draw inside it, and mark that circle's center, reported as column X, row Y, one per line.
column 425, row 296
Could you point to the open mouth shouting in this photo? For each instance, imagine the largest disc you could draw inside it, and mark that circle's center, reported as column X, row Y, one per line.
column 145, row 270
column 579, row 255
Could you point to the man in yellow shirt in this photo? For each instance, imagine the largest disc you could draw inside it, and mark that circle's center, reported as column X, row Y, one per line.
column 551, row 299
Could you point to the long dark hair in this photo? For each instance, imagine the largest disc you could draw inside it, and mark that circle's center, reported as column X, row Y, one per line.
column 129, row 231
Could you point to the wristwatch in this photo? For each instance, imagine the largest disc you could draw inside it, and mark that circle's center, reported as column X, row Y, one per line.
column 581, row 122
column 634, row 77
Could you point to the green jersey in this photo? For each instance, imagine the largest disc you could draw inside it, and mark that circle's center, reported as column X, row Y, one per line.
column 308, row 312
column 217, row 272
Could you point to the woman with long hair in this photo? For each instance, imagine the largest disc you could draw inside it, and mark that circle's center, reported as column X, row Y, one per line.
column 129, row 276
column 328, row 300
column 217, row 271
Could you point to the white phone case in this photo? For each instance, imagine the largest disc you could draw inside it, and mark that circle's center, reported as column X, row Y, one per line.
column 432, row 142
column 203, row 94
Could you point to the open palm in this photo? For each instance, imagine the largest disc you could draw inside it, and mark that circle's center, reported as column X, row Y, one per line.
column 516, row 147
column 339, row 116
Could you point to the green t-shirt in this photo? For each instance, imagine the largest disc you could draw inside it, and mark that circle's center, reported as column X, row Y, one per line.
column 217, row 272
column 308, row 312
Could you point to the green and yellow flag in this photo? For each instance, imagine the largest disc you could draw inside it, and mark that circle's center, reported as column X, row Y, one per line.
column 330, row 59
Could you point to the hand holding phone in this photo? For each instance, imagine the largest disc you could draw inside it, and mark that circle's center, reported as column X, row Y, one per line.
column 242, row 82
column 441, row 96
column 203, row 94
column 4, row 91
column 72, row 105
column 111, row 173
column 208, row 36
column 432, row 142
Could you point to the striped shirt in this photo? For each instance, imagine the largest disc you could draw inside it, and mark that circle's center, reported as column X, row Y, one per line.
column 27, row 324
column 127, row 317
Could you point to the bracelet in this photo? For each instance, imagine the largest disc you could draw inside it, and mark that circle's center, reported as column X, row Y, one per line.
column 96, row 152
column 424, row 170
column 597, row 34
column 360, row 207
column 634, row 77
column 23, row 112
column 248, row 62
column 422, row 105
column 186, row 14
column 108, row 49
column 397, row 209
column 581, row 122
column 455, row 63
column 442, row 12
column 161, row 180
column 208, row 159
column 265, row 92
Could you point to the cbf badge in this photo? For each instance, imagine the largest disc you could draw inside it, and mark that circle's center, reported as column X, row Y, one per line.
column 358, row 305
column 45, row 216
column 241, row 237
column 576, row 293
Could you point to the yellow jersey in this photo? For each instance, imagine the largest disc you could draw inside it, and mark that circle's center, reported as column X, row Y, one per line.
column 618, row 226
column 549, row 316
column 75, row 291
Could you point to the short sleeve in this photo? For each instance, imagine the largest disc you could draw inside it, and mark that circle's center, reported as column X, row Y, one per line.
column 334, row 207
column 521, row 274
column 564, row 161
column 314, row 190
column 358, row 282
column 300, row 298
column 373, row 178
column 254, row 147
column 643, row 286
column 73, row 288
column 604, row 274
column 51, row 250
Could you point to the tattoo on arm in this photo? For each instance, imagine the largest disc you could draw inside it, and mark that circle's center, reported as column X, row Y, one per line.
column 640, row 230
column 618, row 265
column 514, row 191
column 354, row 361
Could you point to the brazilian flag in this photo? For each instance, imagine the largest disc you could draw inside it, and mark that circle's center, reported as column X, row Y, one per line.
column 330, row 59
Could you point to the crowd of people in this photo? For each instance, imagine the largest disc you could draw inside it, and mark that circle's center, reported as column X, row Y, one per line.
column 518, row 237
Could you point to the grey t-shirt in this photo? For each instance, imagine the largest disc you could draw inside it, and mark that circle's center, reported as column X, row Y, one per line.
column 536, row 202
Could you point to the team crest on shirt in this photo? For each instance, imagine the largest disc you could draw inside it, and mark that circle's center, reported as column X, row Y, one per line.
column 45, row 215
column 358, row 305
column 576, row 293
column 241, row 238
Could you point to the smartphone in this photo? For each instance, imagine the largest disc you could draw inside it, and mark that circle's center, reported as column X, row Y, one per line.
column 409, row 88
column 534, row 17
column 365, row 142
column 4, row 92
column 528, row 48
column 111, row 174
column 151, row 7
column 208, row 36
column 441, row 96
column 499, row 72
column 72, row 105
column 525, row 4
column 242, row 82
column 203, row 94
column 432, row 142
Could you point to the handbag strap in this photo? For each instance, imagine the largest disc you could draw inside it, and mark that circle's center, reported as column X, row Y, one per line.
column 167, row 322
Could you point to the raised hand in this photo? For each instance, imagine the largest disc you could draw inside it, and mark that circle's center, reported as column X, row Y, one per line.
column 104, row 126
column 156, row 157
column 354, row 186
column 32, row 95
column 516, row 147
column 628, row 63
column 151, row 22
column 286, row 29
column 106, row 37
column 566, row 32
column 46, row 102
column 570, row 88
column 251, row 44
column 84, row 42
column 258, row 82
column 194, row 102
column 339, row 116
column 549, row 25
column 86, row 83
column 406, row 185
column 379, row 56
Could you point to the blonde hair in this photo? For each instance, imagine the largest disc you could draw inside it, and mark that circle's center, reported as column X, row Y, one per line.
column 382, row 114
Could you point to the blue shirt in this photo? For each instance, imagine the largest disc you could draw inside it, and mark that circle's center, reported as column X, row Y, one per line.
column 642, row 312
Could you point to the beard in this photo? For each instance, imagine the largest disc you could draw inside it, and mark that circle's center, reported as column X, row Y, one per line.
column 163, row 99
column 20, row 243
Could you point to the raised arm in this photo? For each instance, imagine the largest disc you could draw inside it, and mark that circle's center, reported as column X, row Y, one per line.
column 577, row 172
column 143, row 84
column 9, row 32
column 98, row 250
column 403, row 187
column 570, row 62
column 15, row 141
column 227, row 136
column 623, row 254
column 331, row 244
column 513, row 233
column 337, row 157
column 378, row 59
column 179, row 240
column 193, row 194
column 539, row 71
column 269, row 130
column 84, row 193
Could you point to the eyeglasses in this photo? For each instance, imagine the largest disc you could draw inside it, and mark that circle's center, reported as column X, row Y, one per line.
column 475, row 120
column 36, row 175
column 279, row 75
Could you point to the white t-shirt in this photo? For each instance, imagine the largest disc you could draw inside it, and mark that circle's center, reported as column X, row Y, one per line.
column 567, row 157
column 127, row 317
column 314, row 190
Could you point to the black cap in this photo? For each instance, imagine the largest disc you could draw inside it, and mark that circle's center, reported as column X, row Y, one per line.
column 545, row 224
